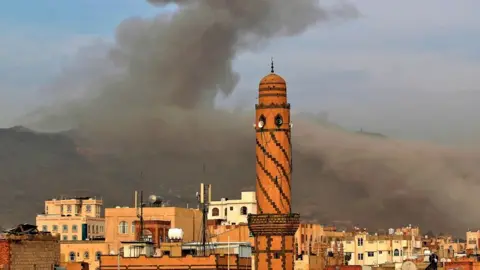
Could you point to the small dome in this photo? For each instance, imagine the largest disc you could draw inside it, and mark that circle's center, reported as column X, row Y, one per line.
column 272, row 82
column 272, row 78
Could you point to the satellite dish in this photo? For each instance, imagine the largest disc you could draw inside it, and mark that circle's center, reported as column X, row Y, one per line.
column 261, row 124
column 409, row 265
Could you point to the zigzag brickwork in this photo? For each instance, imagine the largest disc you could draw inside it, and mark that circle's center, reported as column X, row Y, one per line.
column 274, row 226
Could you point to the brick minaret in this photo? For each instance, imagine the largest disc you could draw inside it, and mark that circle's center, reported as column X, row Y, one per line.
column 275, row 225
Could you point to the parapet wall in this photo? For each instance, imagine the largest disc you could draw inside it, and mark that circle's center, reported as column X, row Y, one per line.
column 173, row 263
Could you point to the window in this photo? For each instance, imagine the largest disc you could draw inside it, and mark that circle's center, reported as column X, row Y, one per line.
column 72, row 256
column 74, row 238
column 370, row 254
column 86, row 255
column 65, row 238
column 380, row 252
column 278, row 120
column 133, row 227
column 69, row 208
column 98, row 254
column 243, row 211
column 88, row 208
column 396, row 252
column 215, row 212
column 231, row 208
column 55, row 228
column 226, row 213
column 360, row 256
column 46, row 210
column 360, row 242
column 277, row 255
column 64, row 228
column 261, row 121
column 74, row 228
column 123, row 227
column 45, row 228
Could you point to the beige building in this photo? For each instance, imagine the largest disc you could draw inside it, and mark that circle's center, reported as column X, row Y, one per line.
column 88, row 251
column 121, row 222
column 473, row 239
column 232, row 212
column 73, row 218
column 374, row 250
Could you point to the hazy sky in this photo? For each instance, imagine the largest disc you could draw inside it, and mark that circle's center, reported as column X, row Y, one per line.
column 407, row 68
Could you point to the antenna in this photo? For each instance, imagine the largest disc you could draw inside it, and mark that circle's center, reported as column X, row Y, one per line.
column 140, row 216
column 271, row 66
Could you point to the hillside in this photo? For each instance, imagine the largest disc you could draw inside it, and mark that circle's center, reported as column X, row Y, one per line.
column 335, row 179
column 35, row 166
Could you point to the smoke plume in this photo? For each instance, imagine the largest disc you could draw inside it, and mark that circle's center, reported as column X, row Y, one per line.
column 147, row 105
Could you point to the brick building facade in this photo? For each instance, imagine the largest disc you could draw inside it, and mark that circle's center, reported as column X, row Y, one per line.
column 40, row 251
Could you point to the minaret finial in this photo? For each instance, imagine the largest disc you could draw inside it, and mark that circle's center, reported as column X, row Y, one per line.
column 273, row 70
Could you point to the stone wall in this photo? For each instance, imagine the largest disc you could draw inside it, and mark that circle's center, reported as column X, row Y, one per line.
column 34, row 254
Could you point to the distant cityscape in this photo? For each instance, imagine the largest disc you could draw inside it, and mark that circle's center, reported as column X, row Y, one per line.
column 75, row 232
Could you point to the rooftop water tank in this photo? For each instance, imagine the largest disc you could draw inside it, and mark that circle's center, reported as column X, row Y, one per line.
column 155, row 199
column 175, row 234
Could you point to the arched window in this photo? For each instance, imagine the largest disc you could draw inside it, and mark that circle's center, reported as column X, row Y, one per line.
column 123, row 227
column 215, row 212
column 133, row 227
column 396, row 252
column 72, row 256
column 98, row 254
column 243, row 210
column 86, row 255
column 148, row 235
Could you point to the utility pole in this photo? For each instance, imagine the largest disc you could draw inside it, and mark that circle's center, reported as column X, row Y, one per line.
column 204, row 199
column 140, row 216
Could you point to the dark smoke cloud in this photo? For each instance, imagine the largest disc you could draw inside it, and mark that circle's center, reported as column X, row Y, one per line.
column 148, row 105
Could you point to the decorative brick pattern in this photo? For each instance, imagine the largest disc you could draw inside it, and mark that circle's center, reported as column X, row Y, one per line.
column 4, row 254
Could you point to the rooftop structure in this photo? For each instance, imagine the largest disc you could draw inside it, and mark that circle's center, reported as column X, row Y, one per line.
column 231, row 212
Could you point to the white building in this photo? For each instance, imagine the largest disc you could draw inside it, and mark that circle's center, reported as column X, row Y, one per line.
column 232, row 212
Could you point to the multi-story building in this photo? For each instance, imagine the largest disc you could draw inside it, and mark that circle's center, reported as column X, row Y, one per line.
column 74, row 219
column 473, row 241
column 232, row 212
column 373, row 250
column 122, row 224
